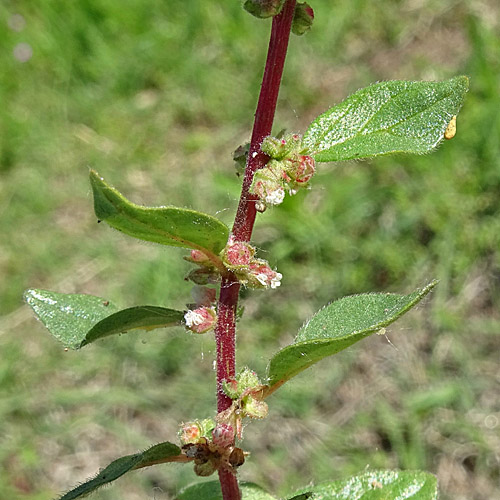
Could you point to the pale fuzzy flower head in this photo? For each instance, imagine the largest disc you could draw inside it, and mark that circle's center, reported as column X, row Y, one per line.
column 269, row 191
column 275, row 197
column 190, row 433
column 276, row 280
column 200, row 320
column 266, row 276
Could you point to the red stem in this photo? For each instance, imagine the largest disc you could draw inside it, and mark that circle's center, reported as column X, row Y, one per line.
column 225, row 330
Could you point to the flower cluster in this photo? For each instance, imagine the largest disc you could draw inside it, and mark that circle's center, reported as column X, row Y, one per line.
column 200, row 320
column 210, row 446
column 245, row 391
column 288, row 170
column 238, row 256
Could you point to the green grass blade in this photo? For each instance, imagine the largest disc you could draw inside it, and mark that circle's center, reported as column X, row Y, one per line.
column 159, row 453
column 178, row 227
column 387, row 117
column 68, row 317
column 338, row 326
column 138, row 317
column 377, row 485
column 210, row 490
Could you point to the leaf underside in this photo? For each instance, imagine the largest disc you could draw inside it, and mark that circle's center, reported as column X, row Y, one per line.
column 159, row 453
column 178, row 227
column 338, row 326
column 68, row 317
column 138, row 317
column 376, row 485
column 387, row 117
column 78, row 319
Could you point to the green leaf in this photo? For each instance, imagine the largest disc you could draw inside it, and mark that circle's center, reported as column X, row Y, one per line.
column 159, row 453
column 77, row 320
column 178, row 227
column 377, row 485
column 387, row 117
column 68, row 317
column 338, row 326
column 138, row 317
column 210, row 490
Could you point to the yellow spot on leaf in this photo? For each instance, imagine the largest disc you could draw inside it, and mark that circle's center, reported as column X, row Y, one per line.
column 451, row 129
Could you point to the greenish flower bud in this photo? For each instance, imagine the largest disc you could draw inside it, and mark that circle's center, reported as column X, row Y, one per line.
column 231, row 388
column 207, row 426
column 247, row 379
column 253, row 408
column 279, row 148
column 303, row 18
column 273, row 147
column 263, row 8
column 206, row 469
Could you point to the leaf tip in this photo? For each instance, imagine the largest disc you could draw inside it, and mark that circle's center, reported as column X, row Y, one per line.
column 27, row 294
column 103, row 197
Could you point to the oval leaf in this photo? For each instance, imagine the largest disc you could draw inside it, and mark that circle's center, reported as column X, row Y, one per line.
column 377, row 485
column 338, row 326
column 77, row 319
column 210, row 490
column 387, row 117
column 178, row 227
column 157, row 454
column 139, row 317
column 68, row 317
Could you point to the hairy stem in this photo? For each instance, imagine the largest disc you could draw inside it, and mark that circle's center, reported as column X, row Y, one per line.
column 264, row 117
column 225, row 330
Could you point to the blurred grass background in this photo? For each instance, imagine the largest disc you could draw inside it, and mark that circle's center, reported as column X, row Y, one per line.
column 156, row 96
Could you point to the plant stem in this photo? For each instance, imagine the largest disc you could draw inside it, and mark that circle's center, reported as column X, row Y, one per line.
column 225, row 330
column 264, row 117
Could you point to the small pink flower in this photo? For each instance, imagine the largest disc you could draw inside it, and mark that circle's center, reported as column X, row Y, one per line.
column 302, row 168
column 200, row 320
column 223, row 435
column 269, row 191
column 265, row 275
column 237, row 254
column 190, row 433
column 198, row 256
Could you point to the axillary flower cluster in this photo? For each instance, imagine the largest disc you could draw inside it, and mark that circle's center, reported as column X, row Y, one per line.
column 288, row 170
column 238, row 257
column 209, row 443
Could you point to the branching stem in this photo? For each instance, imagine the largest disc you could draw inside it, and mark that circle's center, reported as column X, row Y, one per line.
column 225, row 331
